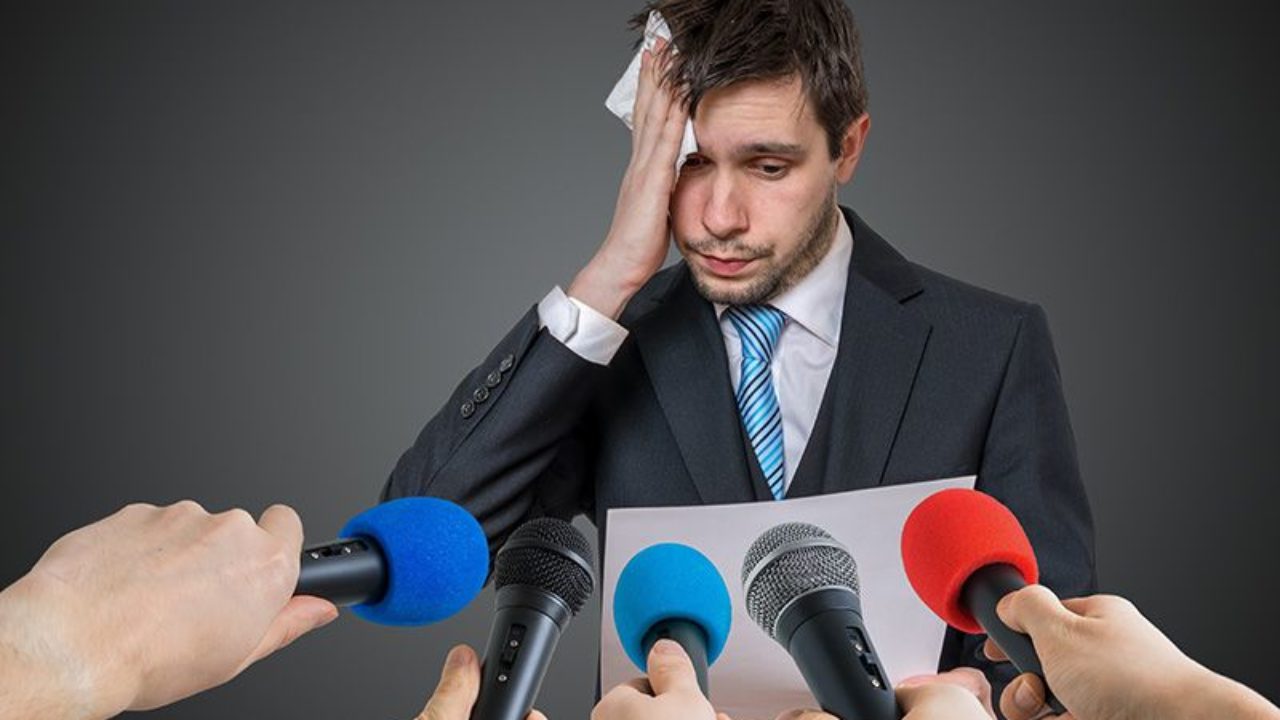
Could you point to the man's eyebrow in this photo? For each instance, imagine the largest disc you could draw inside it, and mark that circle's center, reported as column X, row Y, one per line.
column 771, row 148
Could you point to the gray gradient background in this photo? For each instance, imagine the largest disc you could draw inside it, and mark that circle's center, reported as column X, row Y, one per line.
column 248, row 248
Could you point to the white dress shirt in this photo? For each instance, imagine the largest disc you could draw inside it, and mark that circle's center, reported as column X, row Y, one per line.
column 802, row 360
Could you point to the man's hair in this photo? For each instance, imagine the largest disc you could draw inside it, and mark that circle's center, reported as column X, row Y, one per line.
column 722, row 42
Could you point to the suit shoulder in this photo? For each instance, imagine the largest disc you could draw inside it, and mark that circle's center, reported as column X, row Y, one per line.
column 945, row 297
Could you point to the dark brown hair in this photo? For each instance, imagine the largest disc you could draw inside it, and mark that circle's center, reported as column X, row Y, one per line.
column 722, row 42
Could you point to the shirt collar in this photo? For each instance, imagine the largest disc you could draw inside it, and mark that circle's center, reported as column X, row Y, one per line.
column 816, row 303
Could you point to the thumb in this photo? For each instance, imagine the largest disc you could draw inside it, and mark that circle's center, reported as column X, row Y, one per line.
column 299, row 616
column 1034, row 610
column 458, row 688
column 670, row 669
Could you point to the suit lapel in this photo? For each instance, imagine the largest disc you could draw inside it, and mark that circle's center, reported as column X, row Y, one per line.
column 683, row 353
column 881, row 345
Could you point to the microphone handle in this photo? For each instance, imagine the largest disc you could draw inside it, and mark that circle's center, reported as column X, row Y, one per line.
column 824, row 632
column 690, row 636
column 347, row 571
column 525, row 631
column 982, row 591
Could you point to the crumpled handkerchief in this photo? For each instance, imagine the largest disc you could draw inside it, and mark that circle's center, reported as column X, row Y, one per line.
column 622, row 100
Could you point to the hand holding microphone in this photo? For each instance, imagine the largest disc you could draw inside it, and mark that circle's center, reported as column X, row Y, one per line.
column 971, row 563
column 110, row 617
column 672, row 591
column 1105, row 660
column 669, row 692
column 963, row 551
column 458, row 688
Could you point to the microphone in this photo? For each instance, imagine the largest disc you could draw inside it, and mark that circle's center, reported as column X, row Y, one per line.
column 543, row 577
column 672, row 591
column 411, row 561
column 963, row 551
column 801, row 587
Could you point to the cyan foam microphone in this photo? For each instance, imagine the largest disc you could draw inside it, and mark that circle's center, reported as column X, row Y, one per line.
column 963, row 551
column 543, row 577
column 410, row 561
column 801, row 587
column 672, row 591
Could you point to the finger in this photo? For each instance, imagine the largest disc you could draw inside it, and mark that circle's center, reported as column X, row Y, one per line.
column 624, row 695
column 655, row 117
column 644, row 91
column 969, row 679
column 284, row 523
column 535, row 715
column 1097, row 606
column 803, row 714
column 1033, row 610
column 670, row 669
column 993, row 651
column 458, row 688
column 1023, row 699
column 300, row 615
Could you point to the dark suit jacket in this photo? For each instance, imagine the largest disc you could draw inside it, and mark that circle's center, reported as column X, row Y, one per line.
column 933, row 378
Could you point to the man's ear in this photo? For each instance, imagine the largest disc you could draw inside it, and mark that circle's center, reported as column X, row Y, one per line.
column 851, row 148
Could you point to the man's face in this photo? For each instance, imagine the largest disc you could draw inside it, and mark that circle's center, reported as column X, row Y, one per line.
column 755, row 209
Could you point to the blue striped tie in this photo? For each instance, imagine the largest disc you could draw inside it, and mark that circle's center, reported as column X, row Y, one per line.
column 758, row 328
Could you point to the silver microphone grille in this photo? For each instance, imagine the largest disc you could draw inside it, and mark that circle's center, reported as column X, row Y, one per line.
column 787, row 561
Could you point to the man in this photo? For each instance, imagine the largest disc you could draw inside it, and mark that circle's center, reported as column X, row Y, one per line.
column 792, row 352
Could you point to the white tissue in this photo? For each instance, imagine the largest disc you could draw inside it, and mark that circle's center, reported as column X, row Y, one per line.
column 622, row 100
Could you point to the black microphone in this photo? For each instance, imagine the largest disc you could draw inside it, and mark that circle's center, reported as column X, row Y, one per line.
column 801, row 587
column 410, row 561
column 543, row 575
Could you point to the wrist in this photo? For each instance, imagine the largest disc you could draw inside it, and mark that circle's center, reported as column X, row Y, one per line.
column 605, row 288
column 50, row 669
column 1209, row 696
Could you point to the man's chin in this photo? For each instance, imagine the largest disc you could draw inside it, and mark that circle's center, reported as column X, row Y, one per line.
column 731, row 291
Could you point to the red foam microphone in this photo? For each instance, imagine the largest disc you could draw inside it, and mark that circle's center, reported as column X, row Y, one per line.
column 963, row 551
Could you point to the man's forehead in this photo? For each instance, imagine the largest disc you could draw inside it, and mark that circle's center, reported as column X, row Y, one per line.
column 763, row 116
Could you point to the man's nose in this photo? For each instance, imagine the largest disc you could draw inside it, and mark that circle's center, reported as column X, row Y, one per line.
column 725, row 215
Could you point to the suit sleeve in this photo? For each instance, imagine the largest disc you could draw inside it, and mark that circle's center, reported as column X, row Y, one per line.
column 1029, row 464
column 506, row 444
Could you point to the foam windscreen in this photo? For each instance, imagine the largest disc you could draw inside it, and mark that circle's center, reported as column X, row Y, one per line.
column 437, row 559
column 670, row 581
column 952, row 534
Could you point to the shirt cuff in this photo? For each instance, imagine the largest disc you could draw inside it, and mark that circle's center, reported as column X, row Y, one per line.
column 581, row 328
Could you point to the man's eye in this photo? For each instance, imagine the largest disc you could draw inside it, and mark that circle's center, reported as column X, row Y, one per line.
column 772, row 169
column 693, row 161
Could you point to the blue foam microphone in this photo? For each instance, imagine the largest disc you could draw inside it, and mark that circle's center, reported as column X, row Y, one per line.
column 674, row 592
column 411, row 561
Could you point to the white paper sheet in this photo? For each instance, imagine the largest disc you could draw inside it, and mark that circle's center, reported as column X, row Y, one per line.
column 755, row 677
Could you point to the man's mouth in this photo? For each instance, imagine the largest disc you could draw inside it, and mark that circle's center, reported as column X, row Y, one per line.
column 725, row 266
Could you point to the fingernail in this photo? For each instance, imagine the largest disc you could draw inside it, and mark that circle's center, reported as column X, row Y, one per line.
column 459, row 657
column 667, row 647
column 1025, row 698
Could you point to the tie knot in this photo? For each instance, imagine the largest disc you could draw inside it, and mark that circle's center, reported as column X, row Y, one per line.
column 758, row 327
